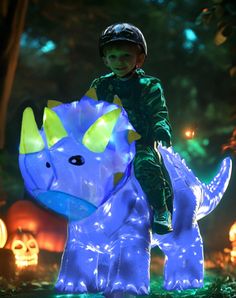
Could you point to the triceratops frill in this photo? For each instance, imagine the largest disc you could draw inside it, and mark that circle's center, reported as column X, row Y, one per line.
column 80, row 165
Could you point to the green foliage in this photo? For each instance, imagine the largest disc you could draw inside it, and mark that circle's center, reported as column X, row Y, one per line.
column 221, row 15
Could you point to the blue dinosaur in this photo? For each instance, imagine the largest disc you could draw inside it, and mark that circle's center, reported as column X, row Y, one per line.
column 80, row 166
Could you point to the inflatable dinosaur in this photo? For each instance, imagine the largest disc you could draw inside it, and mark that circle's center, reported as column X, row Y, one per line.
column 80, row 165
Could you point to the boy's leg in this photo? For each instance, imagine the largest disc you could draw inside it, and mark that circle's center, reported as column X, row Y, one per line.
column 149, row 172
column 168, row 188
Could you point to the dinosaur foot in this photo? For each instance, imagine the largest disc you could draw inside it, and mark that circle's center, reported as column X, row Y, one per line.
column 183, row 284
column 129, row 290
column 70, row 287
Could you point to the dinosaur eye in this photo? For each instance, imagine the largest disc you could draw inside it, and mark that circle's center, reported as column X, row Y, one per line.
column 76, row 160
column 48, row 165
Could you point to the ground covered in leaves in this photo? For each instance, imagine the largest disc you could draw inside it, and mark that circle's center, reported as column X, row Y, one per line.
column 220, row 280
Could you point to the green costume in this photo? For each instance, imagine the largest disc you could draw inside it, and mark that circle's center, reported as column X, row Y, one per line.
column 142, row 98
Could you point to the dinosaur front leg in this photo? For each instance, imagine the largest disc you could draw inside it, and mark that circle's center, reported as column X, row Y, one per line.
column 84, row 266
column 129, row 267
column 78, row 271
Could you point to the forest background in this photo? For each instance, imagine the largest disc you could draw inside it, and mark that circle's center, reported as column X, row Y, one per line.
column 48, row 50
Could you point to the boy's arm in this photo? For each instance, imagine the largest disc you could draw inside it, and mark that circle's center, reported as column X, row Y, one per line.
column 157, row 112
column 94, row 83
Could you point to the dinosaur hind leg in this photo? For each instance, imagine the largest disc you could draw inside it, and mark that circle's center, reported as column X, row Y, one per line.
column 183, row 247
column 184, row 261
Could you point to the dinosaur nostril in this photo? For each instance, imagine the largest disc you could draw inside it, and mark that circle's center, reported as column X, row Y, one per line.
column 77, row 160
column 48, row 165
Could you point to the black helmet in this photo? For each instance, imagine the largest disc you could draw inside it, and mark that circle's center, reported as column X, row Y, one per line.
column 122, row 31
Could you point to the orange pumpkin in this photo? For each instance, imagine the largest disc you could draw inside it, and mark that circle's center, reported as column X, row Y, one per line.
column 49, row 229
column 3, row 234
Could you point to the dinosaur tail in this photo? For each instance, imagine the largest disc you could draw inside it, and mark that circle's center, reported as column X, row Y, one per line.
column 213, row 192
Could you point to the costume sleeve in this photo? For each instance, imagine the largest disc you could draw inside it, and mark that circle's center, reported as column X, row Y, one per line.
column 156, row 111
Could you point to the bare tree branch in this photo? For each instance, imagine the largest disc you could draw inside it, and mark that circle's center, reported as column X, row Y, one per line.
column 13, row 17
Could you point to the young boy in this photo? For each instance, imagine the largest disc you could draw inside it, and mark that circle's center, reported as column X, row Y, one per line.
column 123, row 49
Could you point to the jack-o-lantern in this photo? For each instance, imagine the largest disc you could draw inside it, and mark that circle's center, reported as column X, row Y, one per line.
column 3, row 234
column 25, row 249
column 232, row 238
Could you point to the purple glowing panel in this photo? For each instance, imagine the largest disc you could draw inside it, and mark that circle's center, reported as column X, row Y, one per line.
column 80, row 165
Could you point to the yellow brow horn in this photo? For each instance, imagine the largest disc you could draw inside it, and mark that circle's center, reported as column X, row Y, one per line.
column 99, row 133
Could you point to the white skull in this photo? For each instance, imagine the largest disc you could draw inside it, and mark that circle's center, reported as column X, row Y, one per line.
column 25, row 249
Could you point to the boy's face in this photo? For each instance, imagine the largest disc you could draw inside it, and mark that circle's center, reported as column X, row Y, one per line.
column 123, row 57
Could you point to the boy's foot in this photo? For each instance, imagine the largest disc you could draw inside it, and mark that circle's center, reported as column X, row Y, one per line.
column 162, row 222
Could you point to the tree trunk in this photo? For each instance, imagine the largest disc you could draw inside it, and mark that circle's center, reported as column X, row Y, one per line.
column 12, row 18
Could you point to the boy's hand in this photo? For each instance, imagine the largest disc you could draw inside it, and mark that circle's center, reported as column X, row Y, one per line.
column 165, row 143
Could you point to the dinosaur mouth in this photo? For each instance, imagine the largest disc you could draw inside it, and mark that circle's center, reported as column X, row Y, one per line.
column 74, row 208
